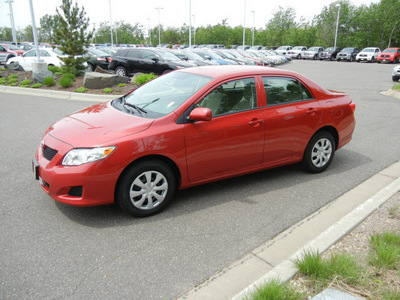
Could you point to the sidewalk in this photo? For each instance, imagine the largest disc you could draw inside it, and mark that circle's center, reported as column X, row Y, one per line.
column 318, row 232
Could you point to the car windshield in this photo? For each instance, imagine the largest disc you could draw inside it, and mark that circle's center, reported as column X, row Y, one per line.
column 193, row 56
column 297, row 48
column 12, row 47
column 166, row 55
column 348, row 50
column 368, row 50
column 97, row 52
column 57, row 51
column 330, row 49
column 282, row 48
column 164, row 94
column 313, row 49
column 389, row 51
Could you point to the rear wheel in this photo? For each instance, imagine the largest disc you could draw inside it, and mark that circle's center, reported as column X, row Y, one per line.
column 167, row 71
column 146, row 188
column 319, row 152
column 120, row 71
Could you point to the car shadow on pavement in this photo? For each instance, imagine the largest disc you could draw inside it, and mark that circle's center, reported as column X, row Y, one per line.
column 206, row 196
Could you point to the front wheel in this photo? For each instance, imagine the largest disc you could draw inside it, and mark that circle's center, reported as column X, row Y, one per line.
column 319, row 152
column 146, row 188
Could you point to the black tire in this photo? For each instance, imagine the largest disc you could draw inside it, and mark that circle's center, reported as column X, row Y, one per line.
column 319, row 152
column 91, row 67
column 167, row 71
column 298, row 56
column 395, row 79
column 351, row 59
column 120, row 71
column 146, row 188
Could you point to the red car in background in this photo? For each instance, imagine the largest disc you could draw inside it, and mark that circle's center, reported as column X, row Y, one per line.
column 189, row 127
column 391, row 55
column 13, row 48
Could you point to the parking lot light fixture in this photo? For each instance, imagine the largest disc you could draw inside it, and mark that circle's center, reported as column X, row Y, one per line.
column 254, row 18
column 244, row 24
column 337, row 23
column 159, row 24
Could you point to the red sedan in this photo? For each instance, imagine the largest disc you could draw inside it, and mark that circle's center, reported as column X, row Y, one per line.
column 190, row 127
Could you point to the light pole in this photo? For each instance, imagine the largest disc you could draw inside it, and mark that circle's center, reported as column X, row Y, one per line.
column 149, row 31
column 337, row 22
column 190, row 24
column 14, row 35
column 194, row 29
column 244, row 24
column 159, row 24
column 111, row 26
column 254, row 18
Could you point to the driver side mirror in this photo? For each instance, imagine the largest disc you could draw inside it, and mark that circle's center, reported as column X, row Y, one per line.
column 201, row 114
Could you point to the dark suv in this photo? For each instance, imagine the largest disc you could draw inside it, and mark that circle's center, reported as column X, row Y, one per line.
column 129, row 61
column 329, row 53
column 348, row 54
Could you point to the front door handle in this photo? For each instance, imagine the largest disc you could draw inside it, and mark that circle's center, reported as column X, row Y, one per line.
column 256, row 122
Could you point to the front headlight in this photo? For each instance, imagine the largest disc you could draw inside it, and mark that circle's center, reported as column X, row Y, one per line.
column 77, row 157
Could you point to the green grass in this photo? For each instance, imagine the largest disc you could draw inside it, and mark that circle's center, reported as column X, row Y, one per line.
column 121, row 84
column 65, row 81
column 36, row 85
column 2, row 80
column 396, row 87
column 275, row 290
column 107, row 90
column 385, row 252
column 25, row 83
column 13, row 76
column 12, row 80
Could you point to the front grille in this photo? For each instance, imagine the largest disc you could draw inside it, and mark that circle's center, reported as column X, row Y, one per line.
column 48, row 153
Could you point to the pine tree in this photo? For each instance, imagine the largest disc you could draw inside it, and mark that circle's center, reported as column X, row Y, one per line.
column 72, row 35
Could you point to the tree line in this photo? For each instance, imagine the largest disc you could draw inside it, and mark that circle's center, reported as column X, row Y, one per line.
column 359, row 26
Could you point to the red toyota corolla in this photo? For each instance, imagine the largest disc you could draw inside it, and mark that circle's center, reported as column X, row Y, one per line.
column 190, row 127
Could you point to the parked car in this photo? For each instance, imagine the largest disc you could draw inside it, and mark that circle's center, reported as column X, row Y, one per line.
column 215, row 57
column 296, row 52
column 348, row 54
column 312, row 53
column 13, row 48
column 97, row 58
column 396, row 73
column 329, row 53
column 24, row 62
column 190, row 127
column 128, row 61
column 284, row 49
column 391, row 55
column 369, row 54
column 192, row 57
column 6, row 54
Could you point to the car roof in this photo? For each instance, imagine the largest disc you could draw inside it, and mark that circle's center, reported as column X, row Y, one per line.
column 237, row 70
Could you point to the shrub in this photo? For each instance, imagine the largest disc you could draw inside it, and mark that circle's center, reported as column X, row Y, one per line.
column 2, row 80
column 12, row 80
column 143, row 78
column 65, row 82
column 107, row 90
column 36, row 85
column 121, row 84
column 13, row 76
column 69, row 75
column 81, row 90
column 49, row 81
column 25, row 83
column 58, row 73
column 54, row 69
column 13, row 84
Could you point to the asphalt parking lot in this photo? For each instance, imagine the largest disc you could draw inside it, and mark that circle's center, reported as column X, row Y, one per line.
column 52, row 251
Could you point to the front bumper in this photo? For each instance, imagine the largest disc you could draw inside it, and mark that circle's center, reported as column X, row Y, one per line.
column 89, row 184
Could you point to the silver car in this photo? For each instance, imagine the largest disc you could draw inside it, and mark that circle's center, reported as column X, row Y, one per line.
column 396, row 73
column 297, row 52
column 312, row 53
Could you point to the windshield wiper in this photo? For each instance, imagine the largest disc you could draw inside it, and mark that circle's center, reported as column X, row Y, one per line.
column 138, row 109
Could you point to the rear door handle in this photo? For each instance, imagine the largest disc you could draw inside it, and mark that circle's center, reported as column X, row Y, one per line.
column 311, row 111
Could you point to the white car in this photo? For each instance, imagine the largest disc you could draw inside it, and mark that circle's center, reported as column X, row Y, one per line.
column 396, row 73
column 368, row 54
column 312, row 53
column 297, row 52
column 24, row 62
column 284, row 49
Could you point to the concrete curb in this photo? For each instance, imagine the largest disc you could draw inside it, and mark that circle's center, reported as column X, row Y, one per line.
column 391, row 93
column 57, row 94
column 317, row 232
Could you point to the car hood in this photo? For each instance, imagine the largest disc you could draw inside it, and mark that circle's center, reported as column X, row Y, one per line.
column 96, row 126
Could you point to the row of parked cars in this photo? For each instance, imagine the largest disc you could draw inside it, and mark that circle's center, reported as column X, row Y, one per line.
column 370, row 54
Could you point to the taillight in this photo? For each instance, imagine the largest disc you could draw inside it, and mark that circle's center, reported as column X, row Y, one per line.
column 101, row 59
column 110, row 59
column 353, row 107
